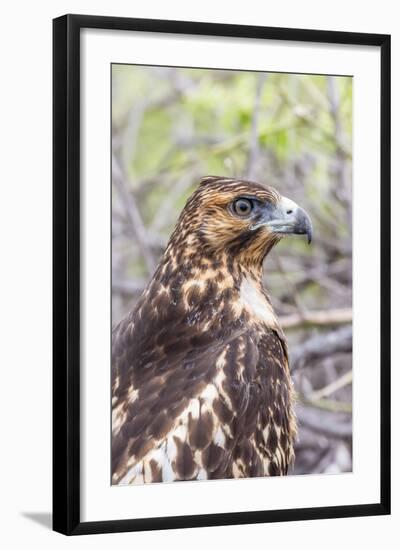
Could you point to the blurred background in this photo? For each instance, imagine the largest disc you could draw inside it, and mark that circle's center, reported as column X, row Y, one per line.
column 172, row 126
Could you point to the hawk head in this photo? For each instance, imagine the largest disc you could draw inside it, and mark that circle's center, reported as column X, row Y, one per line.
column 241, row 218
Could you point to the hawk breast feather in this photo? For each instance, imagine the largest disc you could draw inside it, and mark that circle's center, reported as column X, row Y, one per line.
column 190, row 403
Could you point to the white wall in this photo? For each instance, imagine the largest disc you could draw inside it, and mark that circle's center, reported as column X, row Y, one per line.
column 25, row 299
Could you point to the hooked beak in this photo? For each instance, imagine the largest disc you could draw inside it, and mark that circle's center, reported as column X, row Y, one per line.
column 287, row 218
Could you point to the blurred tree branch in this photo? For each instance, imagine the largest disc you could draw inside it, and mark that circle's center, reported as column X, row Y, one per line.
column 327, row 404
column 133, row 214
column 337, row 384
column 324, row 423
column 317, row 318
column 320, row 346
column 254, row 133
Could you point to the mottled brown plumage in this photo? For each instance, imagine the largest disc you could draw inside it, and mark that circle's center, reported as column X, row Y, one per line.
column 201, row 383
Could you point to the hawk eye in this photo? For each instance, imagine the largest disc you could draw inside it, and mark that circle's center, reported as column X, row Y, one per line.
column 243, row 207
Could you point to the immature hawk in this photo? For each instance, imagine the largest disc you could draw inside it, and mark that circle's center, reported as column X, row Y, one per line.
column 200, row 376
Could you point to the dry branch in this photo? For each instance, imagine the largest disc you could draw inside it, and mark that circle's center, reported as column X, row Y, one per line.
column 254, row 137
column 121, row 286
column 327, row 404
column 337, row 426
column 133, row 214
column 321, row 346
column 337, row 384
column 330, row 317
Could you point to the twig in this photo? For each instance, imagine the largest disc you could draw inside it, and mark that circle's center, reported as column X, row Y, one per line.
column 327, row 404
column 329, row 317
column 163, row 215
column 131, row 133
column 122, row 286
column 302, row 314
column 254, row 138
column 321, row 346
column 307, row 119
column 334, row 104
column 133, row 214
column 341, row 382
column 325, row 423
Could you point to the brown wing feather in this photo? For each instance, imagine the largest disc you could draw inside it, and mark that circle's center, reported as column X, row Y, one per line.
column 193, row 405
column 161, row 362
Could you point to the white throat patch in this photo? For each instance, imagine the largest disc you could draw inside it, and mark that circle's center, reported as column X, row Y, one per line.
column 254, row 300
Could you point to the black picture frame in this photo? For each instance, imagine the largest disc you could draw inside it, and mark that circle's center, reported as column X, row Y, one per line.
column 66, row 273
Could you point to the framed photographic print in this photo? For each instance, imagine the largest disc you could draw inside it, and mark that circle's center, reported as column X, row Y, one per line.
column 221, row 274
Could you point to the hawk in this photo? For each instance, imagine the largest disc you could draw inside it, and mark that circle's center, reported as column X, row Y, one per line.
column 201, row 387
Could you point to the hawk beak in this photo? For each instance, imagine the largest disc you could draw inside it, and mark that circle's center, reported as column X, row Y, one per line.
column 287, row 218
column 302, row 225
